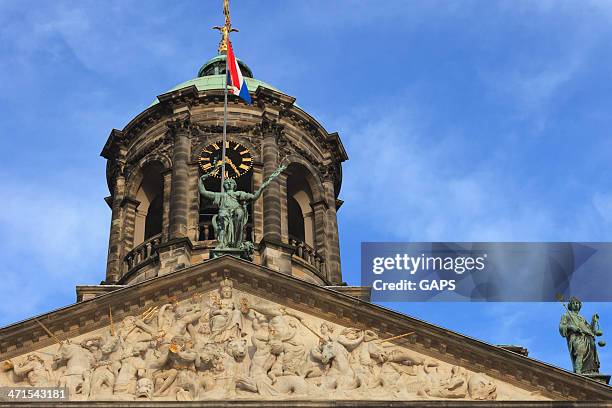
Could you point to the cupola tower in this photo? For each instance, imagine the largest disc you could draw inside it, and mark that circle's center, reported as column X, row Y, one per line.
column 161, row 224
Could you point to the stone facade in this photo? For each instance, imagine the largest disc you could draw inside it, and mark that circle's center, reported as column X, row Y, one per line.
column 227, row 329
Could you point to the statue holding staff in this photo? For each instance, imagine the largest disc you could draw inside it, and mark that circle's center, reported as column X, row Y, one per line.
column 232, row 218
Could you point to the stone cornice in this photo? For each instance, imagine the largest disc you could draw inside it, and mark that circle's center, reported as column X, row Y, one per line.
column 333, row 139
column 273, row 102
column 115, row 137
column 446, row 345
column 181, row 97
column 278, row 107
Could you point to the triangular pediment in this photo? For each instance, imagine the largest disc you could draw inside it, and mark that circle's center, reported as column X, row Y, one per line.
column 230, row 329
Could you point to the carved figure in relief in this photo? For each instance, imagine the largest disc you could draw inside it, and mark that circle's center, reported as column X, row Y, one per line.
column 106, row 365
column 178, row 362
column 441, row 383
column 364, row 355
column 132, row 368
column 229, row 367
column 225, row 314
column 481, row 387
column 166, row 315
column 262, row 361
column 186, row 318
column 316, row 367
column 454, row 383
column 134, row 330
column 290, row 356
column 144, row 389
column 402, row 366
column 78, row 361
column 288, row 348
column 34, row 369
column 228, row 348
column 340, row 374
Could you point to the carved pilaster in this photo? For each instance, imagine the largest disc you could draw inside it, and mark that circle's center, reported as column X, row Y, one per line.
column 271, row 196
column 114, row 261
column 331, row 233
column 167, row 175
column 128, row 227
column 258, row 204
column 179, row 130
column 274, row 253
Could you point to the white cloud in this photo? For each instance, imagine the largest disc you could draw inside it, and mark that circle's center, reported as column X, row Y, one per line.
column 54, row 237
column 57, row 227
column 407, row 177
column 532, row 90
column 100, row 36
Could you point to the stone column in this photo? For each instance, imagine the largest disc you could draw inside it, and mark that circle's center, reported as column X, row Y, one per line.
column 193, row 216
column 274, row 253
column 128, row 210
column 167, row 175
column 271, row 195
column 114, row 261
column 258, row 204
column 333, row 244
column 320, row 231
column 179, row 198
column 282, row 182
column 175, row 254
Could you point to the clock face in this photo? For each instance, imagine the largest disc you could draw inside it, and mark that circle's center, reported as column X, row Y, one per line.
column 238, row 159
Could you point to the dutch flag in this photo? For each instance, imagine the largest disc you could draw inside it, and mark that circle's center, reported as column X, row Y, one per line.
column 235, row 81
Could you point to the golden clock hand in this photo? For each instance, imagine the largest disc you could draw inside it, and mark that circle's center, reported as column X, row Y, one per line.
column 231, row 163
column 216, row 167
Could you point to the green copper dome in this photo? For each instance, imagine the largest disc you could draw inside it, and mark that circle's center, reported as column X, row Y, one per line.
column 216, row 66
column 212, row 76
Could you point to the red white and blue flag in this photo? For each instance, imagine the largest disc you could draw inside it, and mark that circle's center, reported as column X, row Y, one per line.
column 235, row 81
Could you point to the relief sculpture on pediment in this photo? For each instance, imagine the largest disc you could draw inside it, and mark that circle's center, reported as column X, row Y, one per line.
column 226, row 344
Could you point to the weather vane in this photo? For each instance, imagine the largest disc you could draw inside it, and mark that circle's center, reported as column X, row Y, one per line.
column 225, row 29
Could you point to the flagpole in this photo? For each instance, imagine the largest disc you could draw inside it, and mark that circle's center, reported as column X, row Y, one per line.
column 224, row 119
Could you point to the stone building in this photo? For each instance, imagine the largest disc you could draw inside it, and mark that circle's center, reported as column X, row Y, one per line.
column 169, row 323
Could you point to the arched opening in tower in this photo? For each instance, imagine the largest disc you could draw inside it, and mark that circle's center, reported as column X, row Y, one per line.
column 296, row 220
column 153, row 220
column 149, row 213
column 300, row 216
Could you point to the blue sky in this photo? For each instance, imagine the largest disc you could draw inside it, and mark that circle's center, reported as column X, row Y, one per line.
column 463, row 121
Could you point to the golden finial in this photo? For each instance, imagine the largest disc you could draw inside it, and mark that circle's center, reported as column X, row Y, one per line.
column 225, row 29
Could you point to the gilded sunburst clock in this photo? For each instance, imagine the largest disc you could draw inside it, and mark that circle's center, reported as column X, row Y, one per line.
column 238, row 159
